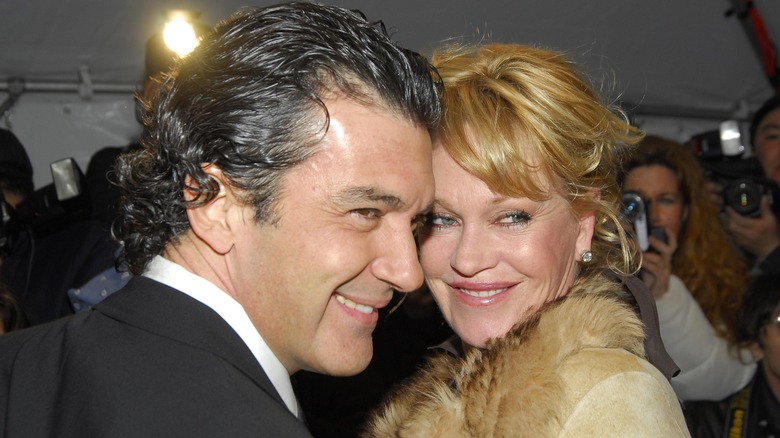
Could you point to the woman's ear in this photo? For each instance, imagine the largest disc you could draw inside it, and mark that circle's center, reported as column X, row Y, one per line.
column 587, row 227
column 587, row 224
column 210, row 222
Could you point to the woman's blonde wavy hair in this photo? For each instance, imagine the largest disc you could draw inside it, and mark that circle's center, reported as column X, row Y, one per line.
column 712, row 269
column 529, row 111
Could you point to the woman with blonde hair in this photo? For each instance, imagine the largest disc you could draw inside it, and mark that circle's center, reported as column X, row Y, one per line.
column 525, row 256
column 697, row 277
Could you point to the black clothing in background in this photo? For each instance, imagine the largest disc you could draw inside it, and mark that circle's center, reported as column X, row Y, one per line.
column 709, row 419
column 39, row 270
column 104, row 195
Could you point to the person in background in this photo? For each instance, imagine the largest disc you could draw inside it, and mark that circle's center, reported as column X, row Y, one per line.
column 268, row 216
column 11, row 314
column 16, row 172
column 697, row 277
column 42, row 263
column 526, row 258
column 759, row 236
column 754, row 410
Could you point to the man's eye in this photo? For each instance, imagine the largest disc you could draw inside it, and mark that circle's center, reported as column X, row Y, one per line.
column 367, row 213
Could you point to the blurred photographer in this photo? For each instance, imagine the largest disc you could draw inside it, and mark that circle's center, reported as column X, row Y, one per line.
column 696, row 276
column 42, row 260
column 757, row 233
column 754, row 410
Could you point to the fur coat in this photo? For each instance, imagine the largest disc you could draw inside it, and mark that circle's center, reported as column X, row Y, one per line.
column 576, row 368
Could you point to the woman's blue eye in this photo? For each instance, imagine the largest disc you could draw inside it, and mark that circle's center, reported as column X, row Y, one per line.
column 516, row 217
column 438, row 220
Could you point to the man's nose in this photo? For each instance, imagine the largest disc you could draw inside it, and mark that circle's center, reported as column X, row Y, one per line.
column 398, row 263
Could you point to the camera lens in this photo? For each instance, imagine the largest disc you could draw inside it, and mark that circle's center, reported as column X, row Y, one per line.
column 744, row 196
column 633, row 206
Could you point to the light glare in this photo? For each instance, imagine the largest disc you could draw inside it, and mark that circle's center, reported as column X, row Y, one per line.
column 180, row 37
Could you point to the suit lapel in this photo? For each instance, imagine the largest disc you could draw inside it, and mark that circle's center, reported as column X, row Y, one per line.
column 160, row 309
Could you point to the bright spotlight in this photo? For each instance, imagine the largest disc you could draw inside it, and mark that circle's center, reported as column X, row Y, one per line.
column 178, row 33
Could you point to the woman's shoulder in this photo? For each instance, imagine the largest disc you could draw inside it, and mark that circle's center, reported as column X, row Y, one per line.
column 611, row 392
column 589, row 367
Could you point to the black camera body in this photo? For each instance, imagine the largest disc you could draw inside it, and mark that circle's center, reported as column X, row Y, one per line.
column 49, row 208
column 743, row 185
column 742, row 179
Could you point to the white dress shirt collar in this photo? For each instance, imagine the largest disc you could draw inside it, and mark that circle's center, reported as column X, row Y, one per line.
column 175, row 276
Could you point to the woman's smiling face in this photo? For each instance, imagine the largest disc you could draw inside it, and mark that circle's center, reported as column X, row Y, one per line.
column 490, row 260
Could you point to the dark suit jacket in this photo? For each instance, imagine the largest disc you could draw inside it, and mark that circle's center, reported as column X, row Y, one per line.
column 148, row 361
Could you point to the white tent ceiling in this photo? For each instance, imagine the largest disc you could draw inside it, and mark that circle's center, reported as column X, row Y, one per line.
column 675, row 57
column 661, row 53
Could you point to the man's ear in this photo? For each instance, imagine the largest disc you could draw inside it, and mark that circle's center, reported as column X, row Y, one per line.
column 755, row 348
column 210, row 222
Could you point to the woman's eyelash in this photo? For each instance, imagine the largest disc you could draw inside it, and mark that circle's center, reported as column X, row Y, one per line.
column 515, row 217
column 438, row 219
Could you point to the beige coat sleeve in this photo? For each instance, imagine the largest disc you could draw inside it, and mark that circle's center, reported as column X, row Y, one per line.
column 612, row 393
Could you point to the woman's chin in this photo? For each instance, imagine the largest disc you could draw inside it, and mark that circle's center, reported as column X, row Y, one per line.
column 478, row 339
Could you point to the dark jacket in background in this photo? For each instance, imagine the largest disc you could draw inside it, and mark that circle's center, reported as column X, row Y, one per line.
column 40, row 270
column 750, row 412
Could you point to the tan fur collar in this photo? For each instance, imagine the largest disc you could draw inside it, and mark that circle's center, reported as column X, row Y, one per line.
column 484, row 393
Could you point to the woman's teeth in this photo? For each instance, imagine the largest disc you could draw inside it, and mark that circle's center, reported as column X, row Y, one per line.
column 482, row 294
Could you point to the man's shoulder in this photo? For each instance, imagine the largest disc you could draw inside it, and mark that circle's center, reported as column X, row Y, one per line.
column 101, row 373
column 84, row 327
column 52, row 339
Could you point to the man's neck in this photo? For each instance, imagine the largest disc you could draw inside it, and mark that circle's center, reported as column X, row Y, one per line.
column 197, row 257
column 773, row 381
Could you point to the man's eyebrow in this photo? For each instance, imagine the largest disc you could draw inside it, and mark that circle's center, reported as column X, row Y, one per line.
column 356, row 195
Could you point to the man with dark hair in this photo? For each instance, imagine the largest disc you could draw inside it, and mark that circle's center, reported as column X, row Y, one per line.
column 753, row 411
column 270, row 212
column 16, row 172
column 760, row 236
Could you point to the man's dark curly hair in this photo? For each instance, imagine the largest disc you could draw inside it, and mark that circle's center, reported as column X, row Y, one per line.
column 249, row 100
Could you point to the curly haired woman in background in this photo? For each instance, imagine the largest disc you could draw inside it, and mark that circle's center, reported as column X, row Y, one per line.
column 697, row 277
